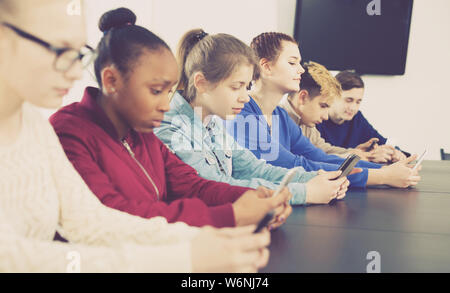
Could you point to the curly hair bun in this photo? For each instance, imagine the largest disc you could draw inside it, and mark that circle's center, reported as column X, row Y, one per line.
column 116, row 18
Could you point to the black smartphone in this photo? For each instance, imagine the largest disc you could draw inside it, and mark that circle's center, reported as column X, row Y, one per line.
column 264, row 222
column 348, row 165
column 372, row 145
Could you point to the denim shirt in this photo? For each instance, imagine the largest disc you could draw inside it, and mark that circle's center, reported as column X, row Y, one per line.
column 216, row 155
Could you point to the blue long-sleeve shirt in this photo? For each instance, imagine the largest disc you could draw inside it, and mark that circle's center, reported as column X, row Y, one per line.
column 349, row 134
column 284, row 145
column 216, row 155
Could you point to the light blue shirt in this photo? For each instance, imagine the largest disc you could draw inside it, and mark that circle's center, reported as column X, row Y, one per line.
column 216, row 155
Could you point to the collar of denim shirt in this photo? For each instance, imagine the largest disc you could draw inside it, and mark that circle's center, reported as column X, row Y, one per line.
column 200, row 133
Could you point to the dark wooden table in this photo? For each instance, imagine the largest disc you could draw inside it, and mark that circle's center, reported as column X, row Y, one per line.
column 409, row 228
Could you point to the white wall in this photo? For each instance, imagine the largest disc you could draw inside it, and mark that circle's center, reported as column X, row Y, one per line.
column 93, row 10
column 170, row 19
column 286, row 16
column 413, row 109
column 244, row 19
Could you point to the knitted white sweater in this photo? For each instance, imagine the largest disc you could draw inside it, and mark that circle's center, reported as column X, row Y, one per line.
column 41, row 192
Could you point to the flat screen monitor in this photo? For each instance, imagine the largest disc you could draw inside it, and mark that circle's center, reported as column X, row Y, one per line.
column 369, row 36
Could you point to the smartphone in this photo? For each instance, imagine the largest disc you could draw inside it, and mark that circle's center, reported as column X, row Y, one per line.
column 264, row 222
column 286, row 179
column 419, row 161
column 269, row 216
column 348, row 165
column 372, row 145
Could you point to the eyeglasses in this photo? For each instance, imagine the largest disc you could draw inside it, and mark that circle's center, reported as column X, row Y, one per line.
column 65, row 56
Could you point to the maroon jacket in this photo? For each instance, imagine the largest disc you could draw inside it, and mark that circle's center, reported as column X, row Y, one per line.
column 153, row 183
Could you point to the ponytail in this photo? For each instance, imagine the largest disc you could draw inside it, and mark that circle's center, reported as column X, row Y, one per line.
column 216, row 56
column 187, row 42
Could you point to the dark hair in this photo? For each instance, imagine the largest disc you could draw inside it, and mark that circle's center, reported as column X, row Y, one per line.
column 123, row 42
column 349, row 79
column 268, row 46
column 216, row 56
column 308, row 83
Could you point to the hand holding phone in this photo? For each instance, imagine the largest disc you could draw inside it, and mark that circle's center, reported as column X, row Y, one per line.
column 419, row 160
column 286, row 179
column 372, row 145
column 348, row 165
column 270, row 215
column 264, row 222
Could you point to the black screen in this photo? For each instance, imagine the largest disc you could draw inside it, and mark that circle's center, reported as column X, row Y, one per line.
column 340, row 34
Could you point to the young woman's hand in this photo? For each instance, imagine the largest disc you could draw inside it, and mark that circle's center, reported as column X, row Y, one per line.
column 282, row 212
column 400, row 174
column 323, row 188
column 253, row 205
column 343, row 189
column 230, row 250
column 281, row 215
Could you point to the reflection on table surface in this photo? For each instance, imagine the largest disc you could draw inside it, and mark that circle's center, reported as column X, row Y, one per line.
column 409, row 228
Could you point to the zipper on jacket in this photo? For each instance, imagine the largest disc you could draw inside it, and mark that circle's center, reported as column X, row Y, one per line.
column 127, row 146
